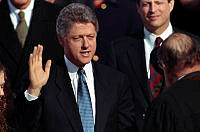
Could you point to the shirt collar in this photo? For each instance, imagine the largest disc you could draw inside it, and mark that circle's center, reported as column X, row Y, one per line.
column 152, row 37
column 72, row 69
column 13, row 9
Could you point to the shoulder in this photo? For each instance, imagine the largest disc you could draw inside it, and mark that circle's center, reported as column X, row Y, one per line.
column 108, row 72
column 126, row 42
column 182, row 97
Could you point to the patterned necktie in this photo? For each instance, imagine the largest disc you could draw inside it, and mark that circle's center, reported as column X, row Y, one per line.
column 84, row 103
column 22, row 29
column 156, row 79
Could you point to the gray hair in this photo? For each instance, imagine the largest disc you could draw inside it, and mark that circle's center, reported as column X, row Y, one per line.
column 75, row 13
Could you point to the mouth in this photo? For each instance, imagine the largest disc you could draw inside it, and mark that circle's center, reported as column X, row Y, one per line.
column 85, row 53
column 153, row 17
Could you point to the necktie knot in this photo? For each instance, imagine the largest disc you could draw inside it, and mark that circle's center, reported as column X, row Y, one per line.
column 21, row 15
column 81, row 71
column 158, row 41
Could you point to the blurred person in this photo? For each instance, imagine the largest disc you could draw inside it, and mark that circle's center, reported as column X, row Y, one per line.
column 135, row 55
column 178, row 109
column 24, row 24
column 6, row 105
column 60, row 98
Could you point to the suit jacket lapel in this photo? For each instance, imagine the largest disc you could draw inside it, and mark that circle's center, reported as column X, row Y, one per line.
column 136, row 55
column 67, row 100
column 8, row 35
column 102, row 100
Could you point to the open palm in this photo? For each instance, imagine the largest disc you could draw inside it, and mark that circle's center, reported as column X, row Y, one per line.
column 38, row 76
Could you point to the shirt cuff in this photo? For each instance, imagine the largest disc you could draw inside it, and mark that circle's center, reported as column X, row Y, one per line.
column 29, row 97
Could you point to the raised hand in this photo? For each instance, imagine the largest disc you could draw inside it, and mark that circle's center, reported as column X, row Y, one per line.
column 38, row 76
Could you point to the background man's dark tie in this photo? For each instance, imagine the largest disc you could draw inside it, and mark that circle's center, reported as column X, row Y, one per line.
column 84, row 103
column 156, row 79
column 22, row 29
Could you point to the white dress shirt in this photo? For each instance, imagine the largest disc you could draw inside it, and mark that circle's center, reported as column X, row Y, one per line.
column 149, row 40
column 72, row 70
column 14, row 13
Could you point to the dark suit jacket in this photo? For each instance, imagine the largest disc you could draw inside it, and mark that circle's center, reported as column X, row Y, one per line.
column 178, row 109
column 42, row 31
column 128, row 56
column 56, row 109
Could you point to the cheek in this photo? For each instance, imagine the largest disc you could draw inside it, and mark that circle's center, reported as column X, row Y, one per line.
column 143, row 13
column 93, row 46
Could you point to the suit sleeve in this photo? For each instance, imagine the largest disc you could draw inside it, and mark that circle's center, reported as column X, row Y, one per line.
column 27, row 113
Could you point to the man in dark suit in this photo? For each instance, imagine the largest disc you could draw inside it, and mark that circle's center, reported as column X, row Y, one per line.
column 178, row 109
column 53, row 102
column 131, row 55
column 40, row 19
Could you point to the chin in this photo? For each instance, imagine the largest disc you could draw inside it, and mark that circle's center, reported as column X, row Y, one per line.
column 83, row 63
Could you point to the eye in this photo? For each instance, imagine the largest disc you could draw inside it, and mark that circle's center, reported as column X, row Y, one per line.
column 145, row 4
column 76, row 38
column 91, row 37
column 158, row 2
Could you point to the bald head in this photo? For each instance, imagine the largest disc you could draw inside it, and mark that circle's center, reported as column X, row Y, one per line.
column 179, row 55
column 179, row 50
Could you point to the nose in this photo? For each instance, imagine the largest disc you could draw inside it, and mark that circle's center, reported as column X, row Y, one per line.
column 1, row 92
column 85, row 42
column 152, row 7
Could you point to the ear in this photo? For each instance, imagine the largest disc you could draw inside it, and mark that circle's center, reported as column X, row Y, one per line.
column 171, row 4
column 61, row 40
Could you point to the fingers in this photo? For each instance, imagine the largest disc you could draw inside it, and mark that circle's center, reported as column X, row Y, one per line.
column 36, row 56
column 40, row 50
column 47, row 67
column 30, row 62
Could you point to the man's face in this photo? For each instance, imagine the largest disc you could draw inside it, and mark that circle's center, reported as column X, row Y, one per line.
column 155, row 13
column 80, row 43
column 21, row 4
column 2, row 82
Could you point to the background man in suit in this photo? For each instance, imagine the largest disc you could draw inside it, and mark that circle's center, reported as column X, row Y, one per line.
column 131, row 55
column 58, row 101
column 40, row 19
column 178, row 109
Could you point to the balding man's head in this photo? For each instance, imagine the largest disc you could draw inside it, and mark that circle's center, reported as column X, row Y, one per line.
column 179, row 55
column 179, row 50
